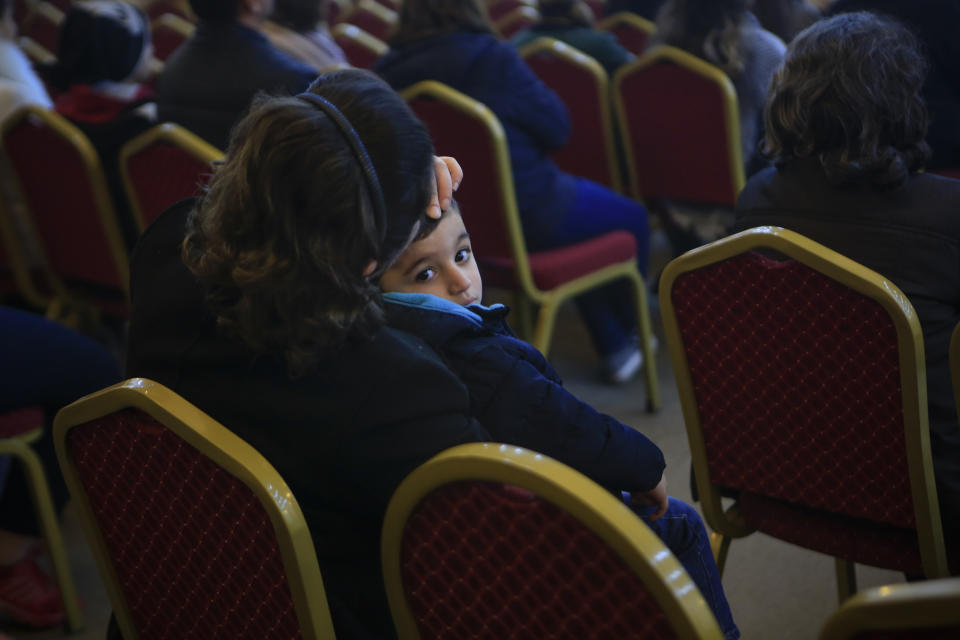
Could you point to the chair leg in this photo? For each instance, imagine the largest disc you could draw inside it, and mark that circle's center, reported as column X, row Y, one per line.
column 544, row 330
column 43, row 504
column 720, row 545
column 644, row 324
column 523, row 308
column 846, row 579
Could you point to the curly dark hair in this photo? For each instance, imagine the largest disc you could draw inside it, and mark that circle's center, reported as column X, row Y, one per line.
column 281, row 239
column 421, row 19
column 849, row 95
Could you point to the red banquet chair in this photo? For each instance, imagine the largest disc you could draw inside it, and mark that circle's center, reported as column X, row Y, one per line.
column 75, row 223
column 195, row 534
column 492, row 541
column 168, row 32
column 179, row 8
column 520, row 18
column 42, row 26
column 496, row 9
column 372, row 17
column 162, row 165
column 633, row 32
column 802, row 382
column 466, row 129
column 361, row 48
column 583, row 86
column 680, row 123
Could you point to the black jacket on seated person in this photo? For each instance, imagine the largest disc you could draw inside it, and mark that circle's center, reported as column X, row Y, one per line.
column 210, row 80
column 343, row 437
column 911, row 236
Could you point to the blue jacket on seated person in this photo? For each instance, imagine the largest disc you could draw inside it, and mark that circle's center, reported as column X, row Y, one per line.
column 518, row 397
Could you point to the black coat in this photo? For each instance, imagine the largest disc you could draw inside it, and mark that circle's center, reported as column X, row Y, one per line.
column 342, row 437
column 911, row 236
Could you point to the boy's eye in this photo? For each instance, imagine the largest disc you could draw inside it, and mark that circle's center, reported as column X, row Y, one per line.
column 425, row 275
column 462, row 255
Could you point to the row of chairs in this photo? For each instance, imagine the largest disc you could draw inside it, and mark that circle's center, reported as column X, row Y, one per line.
column 85, row 261
column 223, row 523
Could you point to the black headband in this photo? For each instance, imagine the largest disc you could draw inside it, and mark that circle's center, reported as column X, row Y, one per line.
column 360, row 153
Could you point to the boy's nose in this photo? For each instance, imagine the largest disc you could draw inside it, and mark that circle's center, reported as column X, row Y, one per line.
column 459, row 282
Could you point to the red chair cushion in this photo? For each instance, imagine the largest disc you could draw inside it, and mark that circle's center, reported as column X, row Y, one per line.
column 162, row 174
column 631, row 38
column 797, row 384
column 371, row 23
column 358, row 55
column 192, row 547
column 480, row 560
column 165, row 41
column 558, row 266
column 20, row 421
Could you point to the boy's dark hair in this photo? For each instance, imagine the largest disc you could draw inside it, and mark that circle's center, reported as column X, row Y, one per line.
column 282, row 237
column 848, row 94
column 424, row 18
column 429, row 225
column 299, row 15
column 216, row 10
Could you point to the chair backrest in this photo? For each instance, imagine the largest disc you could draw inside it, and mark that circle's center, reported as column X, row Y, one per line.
column 161, row 166
column 928, row 610
column 633, row 32
column 492, row 541
column 33, row 282
column 42, row 25
column 467, row 130
column 361, row 48
column 583, row 86
column 195, row 533
column 802, row 380
column 168, row 32
column 516, row 20
column 372, row 17
column 496, row 9
column 955, row 366
column 181, row 8
column 61, row 181
column 679, row 120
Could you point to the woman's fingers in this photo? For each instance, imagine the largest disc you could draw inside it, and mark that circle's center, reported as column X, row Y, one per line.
column 447, row 176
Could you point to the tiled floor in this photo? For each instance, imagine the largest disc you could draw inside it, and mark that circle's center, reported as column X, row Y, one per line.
column 777, row 591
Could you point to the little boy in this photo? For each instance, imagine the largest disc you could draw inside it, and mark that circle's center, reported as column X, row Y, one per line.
column 433, row 291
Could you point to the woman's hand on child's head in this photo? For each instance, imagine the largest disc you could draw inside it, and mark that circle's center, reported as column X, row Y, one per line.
column 655, row 497
column 447, row 177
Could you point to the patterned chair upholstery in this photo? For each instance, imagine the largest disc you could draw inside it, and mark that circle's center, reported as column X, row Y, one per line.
column 161, row 166
column 75, row 223
column 493, row 541
column 195, row 534
column 927, row 610
column 803, row 391
column 633, row 32
column 583, row 86
column 466, row 129
column 679, row 120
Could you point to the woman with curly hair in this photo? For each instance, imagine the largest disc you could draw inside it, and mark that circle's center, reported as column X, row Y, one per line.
column 727, row 35
column 845, row 127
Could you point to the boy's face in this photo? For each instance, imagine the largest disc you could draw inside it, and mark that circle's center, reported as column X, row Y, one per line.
column 441, row 264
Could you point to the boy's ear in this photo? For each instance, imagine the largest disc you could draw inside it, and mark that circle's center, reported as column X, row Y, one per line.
column 370, row 268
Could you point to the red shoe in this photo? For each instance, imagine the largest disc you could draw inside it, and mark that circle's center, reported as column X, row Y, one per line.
column 29, row 596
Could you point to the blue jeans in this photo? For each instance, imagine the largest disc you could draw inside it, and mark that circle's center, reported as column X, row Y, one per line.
column 682, row 530
column 608, row 312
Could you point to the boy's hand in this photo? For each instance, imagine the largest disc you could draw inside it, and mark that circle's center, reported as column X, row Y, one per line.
column 447, row 178
column 655, row 497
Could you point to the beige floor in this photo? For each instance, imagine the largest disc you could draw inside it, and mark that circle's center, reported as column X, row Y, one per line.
column 777, row 591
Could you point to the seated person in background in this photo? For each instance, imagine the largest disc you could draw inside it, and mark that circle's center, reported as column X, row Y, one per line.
column 726, row 35
column 209, row 81
column 451, row 41
column 19, row 83
column 571, row 21
column 644, row 8
column 934, row 23
column 299, row 29
column 518, row 397
column 104, row 55
column 845, row 126
column 785, row 18
column 46, row 365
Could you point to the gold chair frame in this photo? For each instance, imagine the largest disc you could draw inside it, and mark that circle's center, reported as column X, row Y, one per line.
column 897, row 607
column 229, row 452
column 360, row 37
column 912, row 376
column 577, row 58
column 611, row 520
column 36, row 51
column 955, row 365
column 164, row 132
column 10, row 238
column 549, row 301
column 380, row 11
column 64, row 303
column 19, row 447
column 515, row 15
column 731, row 112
